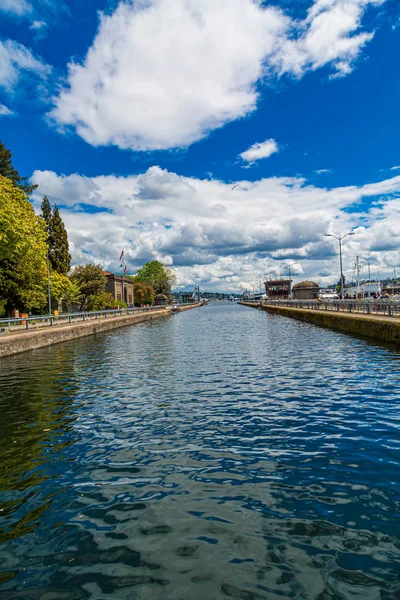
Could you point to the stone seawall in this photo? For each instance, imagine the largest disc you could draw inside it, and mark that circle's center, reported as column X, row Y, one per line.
column 384, row 329
column 15, row 343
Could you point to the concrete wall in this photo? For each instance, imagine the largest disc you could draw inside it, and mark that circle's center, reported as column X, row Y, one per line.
column 182, row 308
column 377, row 328
column 15, row 343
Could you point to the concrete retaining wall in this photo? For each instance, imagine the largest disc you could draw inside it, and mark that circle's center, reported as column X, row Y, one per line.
column 15, row 343
column 182, row 308
column 378, row 328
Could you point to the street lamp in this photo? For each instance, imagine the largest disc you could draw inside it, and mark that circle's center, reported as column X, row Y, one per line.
column 48, row 282
column 339, row 239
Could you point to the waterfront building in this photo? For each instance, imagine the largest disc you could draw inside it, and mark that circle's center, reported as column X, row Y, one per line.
column 278, row 289
column 305, row 290
column 114, row 287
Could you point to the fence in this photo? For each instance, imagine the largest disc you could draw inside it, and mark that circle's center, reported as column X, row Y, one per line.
column 387, row 309
column 23, row 323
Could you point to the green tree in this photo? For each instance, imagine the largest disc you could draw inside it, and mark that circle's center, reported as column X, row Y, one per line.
column 59, row 256
column 7, row 170
column 143, row 293
column 23, row 247
column 63, row 290
column 90, row 280
column 158, row 276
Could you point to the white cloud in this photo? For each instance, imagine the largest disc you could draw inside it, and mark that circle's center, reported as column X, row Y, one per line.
column 219, row 238
column 5, row 111
column 322, row 171
column 16, row 58
column 162, row 75
column 258, row 151
column 397, row 168
column 17, row 7
column 36, row 25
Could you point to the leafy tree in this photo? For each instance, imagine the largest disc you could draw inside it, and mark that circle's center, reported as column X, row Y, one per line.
column 158, row 276
column 143, row 293
column 7, row 170
column 63, row 289
column 59, row 256
column 23, row 247
column 91, row 282
column 101, row 301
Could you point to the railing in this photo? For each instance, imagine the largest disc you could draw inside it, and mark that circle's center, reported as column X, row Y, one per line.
column 31, row 323
column 386, row 309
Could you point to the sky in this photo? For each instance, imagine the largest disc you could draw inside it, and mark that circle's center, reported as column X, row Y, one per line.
column 225, row 139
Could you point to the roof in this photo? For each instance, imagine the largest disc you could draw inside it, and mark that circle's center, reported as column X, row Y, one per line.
column 305, row 285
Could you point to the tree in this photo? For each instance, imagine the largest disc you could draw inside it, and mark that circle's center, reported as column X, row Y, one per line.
column 7, row 170
column 59, row 256
column 158, row 276
column 23, row 247
column 63, row 290
column 90, row 280
column 143, row 293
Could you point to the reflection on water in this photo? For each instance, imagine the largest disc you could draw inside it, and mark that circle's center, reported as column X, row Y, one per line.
column 224, row 453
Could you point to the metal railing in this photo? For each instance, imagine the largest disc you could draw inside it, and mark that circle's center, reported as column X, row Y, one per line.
column 22, row 323
column 385, row 309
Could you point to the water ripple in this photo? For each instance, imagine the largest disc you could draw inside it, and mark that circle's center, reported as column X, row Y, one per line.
column 224, row 453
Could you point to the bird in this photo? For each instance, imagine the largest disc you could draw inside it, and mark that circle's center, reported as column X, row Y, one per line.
column 235, row 186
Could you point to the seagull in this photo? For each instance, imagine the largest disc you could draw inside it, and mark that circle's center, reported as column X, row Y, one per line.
column 235, row 186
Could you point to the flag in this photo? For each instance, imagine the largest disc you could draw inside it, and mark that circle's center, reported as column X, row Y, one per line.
column 121, row 265
column 122, row 255
column 125, row 269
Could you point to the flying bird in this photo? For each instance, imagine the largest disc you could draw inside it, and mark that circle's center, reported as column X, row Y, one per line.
column 235, row 186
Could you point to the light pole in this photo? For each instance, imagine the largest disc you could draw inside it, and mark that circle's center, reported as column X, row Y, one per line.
column 340, row 238
column 48, row 282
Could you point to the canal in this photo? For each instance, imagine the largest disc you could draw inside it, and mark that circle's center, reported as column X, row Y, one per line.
column 222, row 453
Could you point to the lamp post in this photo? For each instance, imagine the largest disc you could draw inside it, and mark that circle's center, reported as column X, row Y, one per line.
column 48, row 282
column 340, row 238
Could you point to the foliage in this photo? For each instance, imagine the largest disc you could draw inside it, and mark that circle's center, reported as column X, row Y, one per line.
column 23, row 247
column 159, row 277
column 59, row 256
column 91, row 282
column 143, row 293
column 101, row 301
column 63, row 289
column 7, row 170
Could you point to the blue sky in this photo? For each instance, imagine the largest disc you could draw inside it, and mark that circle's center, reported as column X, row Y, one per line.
column 138, row 118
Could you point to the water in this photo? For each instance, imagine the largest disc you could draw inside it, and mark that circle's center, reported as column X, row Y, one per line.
column 220, row 454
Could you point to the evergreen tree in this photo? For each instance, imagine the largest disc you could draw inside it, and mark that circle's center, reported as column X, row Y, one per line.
column 59, row 255
column 7, row 170
column 46, row 213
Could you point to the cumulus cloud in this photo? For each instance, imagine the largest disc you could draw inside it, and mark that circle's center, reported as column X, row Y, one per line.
column 218, row 238
column 5, row 111
column 258, row 151
column 16, row 59
column 162, row 75
column 16, row 7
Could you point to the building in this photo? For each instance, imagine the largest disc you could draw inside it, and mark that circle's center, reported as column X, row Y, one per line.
column 278, row 289
column 305, row 290
column 114, row 287
column 160, row 300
